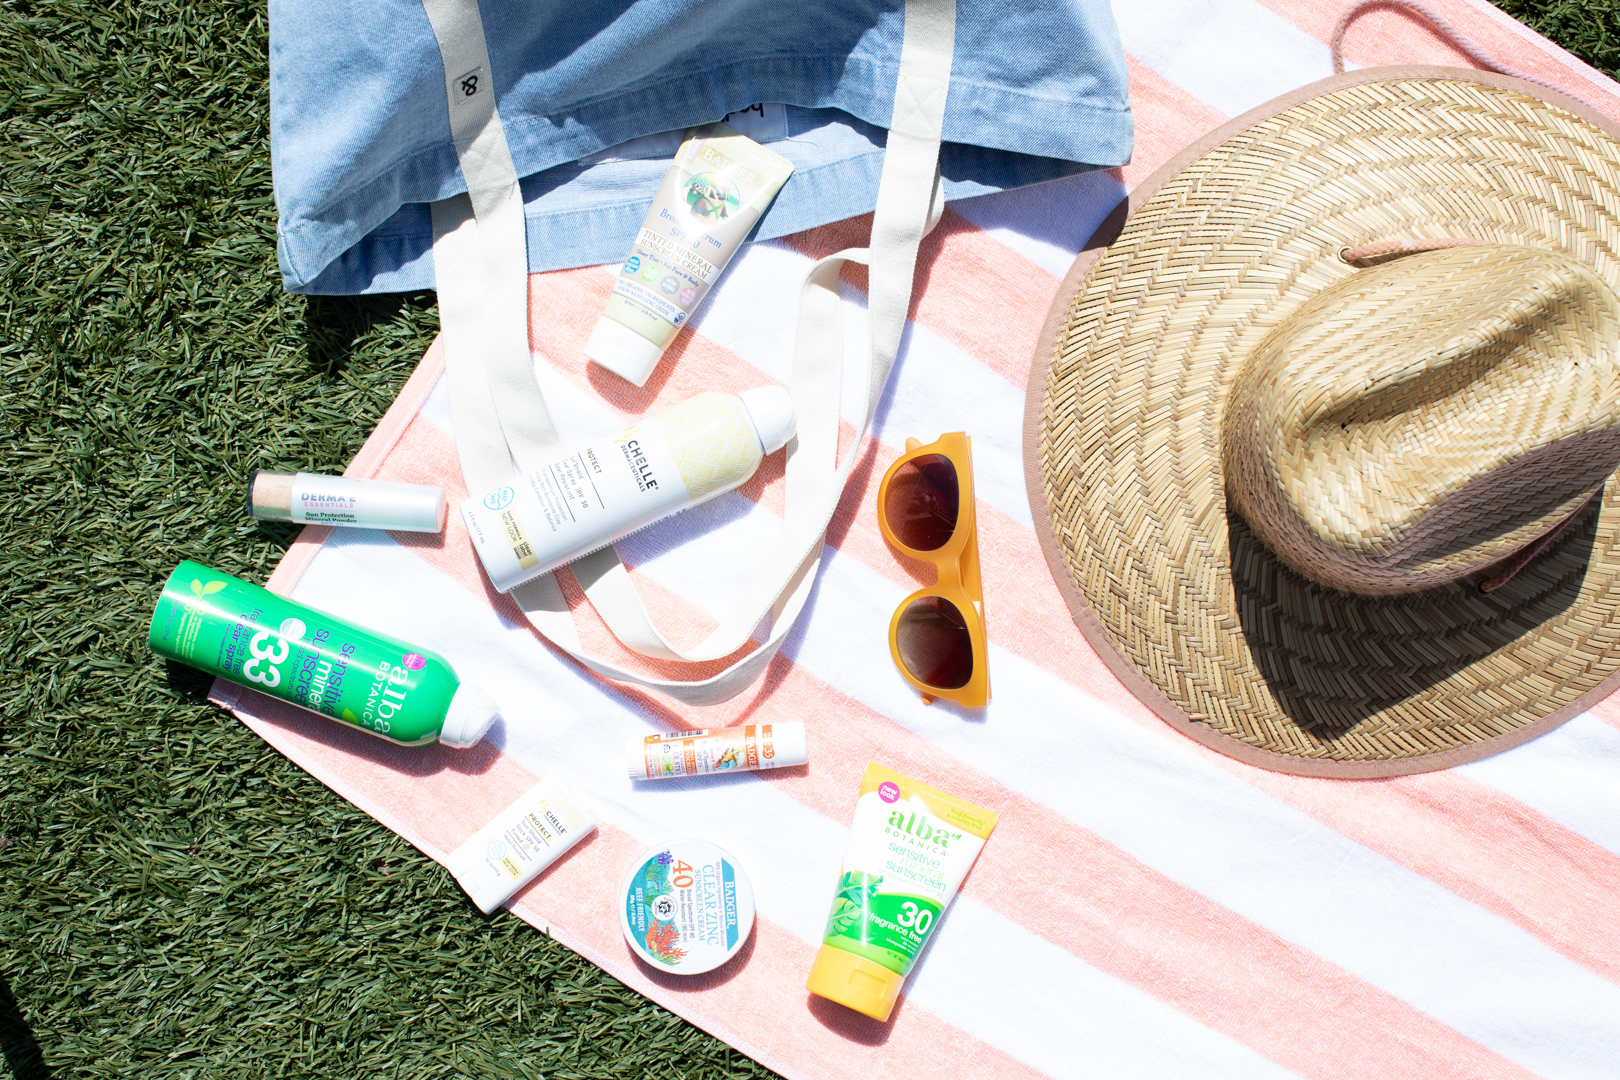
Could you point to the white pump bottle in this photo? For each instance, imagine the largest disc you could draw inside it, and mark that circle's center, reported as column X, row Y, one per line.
column 701, row 448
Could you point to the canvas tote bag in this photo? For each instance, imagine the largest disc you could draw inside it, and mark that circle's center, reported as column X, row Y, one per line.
column 500, row 417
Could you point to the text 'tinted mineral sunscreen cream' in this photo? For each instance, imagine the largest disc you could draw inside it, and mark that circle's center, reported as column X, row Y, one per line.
column 379, row 684
column 909, row 847
column 707, row 751
column 701, row 448
column 521, row 841
column 716, row 188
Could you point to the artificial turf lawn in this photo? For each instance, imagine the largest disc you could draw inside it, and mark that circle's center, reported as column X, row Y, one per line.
column 176, row 899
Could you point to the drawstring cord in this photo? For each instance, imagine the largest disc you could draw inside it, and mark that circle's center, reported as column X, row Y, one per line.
column 1440, row 26
column 1368, row 253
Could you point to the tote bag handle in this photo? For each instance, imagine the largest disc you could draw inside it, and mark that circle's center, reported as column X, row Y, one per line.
column 500, row 416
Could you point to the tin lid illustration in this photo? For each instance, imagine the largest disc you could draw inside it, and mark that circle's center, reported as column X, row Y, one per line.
column 686, row 907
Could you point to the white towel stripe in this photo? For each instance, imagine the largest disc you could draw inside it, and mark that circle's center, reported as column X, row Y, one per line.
column 988, row 976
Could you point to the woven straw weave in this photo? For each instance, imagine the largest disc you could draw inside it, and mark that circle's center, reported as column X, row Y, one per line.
column 1130, row 430
column 1421, row 420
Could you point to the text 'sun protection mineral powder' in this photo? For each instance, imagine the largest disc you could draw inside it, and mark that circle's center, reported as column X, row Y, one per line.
column 686, row 907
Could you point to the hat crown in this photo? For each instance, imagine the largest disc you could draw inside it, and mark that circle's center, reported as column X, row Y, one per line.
column 1417, row 421
column 1200, row 616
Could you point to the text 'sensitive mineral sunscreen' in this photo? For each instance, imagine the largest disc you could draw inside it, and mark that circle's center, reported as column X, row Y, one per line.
column 716, row 188
column 909, row 847
column 251, row 636
column 701, row 448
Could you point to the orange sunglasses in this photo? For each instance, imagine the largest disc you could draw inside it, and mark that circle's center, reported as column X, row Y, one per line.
column 925, row 509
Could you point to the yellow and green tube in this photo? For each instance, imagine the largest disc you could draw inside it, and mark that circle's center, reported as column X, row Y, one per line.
column 909, row 847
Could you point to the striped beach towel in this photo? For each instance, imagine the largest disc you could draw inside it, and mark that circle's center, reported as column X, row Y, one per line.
column 1146, row 907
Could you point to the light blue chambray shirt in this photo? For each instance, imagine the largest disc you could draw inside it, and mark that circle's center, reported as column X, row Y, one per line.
column 360, row 130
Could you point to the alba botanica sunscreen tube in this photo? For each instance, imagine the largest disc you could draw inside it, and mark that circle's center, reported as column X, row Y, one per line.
column 909, row 847
column 716, row 188
column 379, row 684
column 703, row 447
column 523, row 840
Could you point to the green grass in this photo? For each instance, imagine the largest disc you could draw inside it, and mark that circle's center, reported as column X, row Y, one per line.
column 176, row 899
column 1588, row 28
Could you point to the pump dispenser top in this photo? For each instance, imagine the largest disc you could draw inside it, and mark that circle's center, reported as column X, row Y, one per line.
column 771, row 410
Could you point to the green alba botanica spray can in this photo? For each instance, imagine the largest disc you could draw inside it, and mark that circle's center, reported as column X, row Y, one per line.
column 315, row 661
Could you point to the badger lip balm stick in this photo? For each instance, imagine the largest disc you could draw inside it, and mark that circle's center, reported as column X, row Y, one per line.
column 313, row 499
column 701, row 448
column 706, row 751
column 379, row 684
column 909, row 847
column 716, row 188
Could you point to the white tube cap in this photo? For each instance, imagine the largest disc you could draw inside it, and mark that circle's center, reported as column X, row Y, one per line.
column 622, row 351
column 635, row 756
column 771, row 410
column 471, row 713
column 788, row 746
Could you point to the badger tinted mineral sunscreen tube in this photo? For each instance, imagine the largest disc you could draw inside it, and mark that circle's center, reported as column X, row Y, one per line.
column 701, row 448
column 315, row 661
column 716, row 188
column 909, row 847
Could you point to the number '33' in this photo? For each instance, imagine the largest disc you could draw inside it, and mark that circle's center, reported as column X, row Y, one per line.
column 270, row 654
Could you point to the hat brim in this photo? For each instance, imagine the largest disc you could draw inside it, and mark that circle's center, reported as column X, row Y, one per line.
column 1122, row 459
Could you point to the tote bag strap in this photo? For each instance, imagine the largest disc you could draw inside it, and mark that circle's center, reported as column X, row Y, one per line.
column 499, row 413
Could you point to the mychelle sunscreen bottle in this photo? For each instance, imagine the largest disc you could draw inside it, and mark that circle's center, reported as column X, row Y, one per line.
column 701, row 448
column 251, row 636
column 518, row 843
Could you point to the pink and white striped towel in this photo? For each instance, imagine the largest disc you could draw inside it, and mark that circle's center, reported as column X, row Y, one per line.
column 1146, row 908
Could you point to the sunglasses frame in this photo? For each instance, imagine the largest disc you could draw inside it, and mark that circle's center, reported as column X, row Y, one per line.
column 957, row 563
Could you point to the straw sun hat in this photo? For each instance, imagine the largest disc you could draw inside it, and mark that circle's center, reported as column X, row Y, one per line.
column 1323, row 424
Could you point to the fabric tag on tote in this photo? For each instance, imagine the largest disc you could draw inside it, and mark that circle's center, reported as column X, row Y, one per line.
column 762, row 123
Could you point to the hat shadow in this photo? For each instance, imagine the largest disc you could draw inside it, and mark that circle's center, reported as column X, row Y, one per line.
column 1334, row 660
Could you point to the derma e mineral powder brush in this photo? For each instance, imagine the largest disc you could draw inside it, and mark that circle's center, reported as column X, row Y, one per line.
column 313, row 499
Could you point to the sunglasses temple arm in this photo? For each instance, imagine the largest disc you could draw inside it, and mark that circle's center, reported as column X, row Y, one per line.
column 970, row 565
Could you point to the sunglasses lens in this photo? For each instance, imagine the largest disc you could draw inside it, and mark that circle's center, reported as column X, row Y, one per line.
column 934, row 643
column 922, row 502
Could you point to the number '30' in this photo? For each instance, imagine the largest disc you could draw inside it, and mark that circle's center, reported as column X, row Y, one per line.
column 911, row 916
